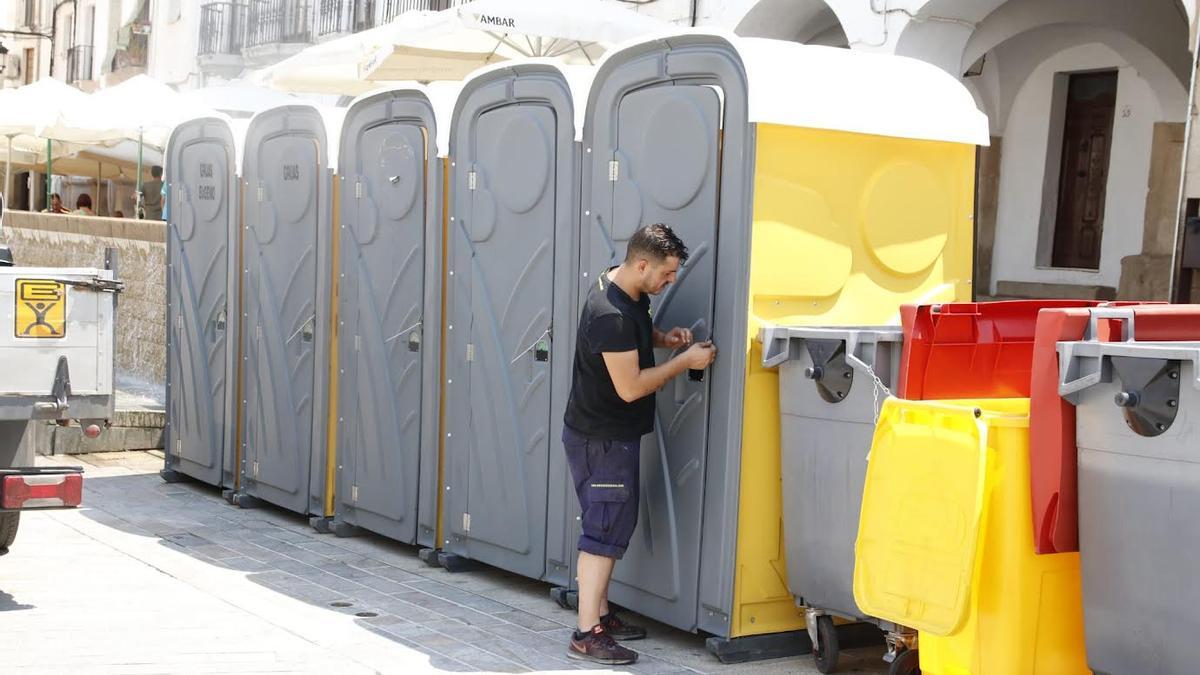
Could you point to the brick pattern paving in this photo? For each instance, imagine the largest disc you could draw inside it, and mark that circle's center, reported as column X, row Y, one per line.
column 396, row 607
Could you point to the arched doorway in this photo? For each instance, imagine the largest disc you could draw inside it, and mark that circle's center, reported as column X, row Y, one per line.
column 1087, row 101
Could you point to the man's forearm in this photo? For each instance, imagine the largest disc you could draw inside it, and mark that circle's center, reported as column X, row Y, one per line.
column 651, row 380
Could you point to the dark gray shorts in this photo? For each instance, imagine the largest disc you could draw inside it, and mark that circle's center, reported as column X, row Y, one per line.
column 606, row 481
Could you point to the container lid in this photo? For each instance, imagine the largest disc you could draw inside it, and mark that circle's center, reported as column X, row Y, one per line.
column 925, row 508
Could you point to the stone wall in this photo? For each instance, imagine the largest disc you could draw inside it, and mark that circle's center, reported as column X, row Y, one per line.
column 46, row 240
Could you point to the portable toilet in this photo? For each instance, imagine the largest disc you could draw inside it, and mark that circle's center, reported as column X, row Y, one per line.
column 390, row 177
column 813, row 186
column 288, row 309
column 511, row 255
column 203, row 235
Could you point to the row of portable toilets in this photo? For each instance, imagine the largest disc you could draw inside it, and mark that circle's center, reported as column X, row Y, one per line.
column 371, row 322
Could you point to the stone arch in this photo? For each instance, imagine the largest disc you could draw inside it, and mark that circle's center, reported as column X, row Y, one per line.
column 807, row 21
column 953, row 34
column 1013, row 61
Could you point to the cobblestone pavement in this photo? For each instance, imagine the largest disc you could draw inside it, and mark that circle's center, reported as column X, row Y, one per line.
column 158, row 578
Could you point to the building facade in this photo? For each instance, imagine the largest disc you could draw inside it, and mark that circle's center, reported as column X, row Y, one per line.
column 1079, row 192
column 1089, row 101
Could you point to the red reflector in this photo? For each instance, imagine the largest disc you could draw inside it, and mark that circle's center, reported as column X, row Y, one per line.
column 40, row 491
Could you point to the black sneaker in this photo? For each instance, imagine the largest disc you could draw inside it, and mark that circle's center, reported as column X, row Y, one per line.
column 619, row 630
column 599, row 647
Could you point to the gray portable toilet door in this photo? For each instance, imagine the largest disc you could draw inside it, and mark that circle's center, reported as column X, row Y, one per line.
column 282, row 259
column 668, row 170
column 511, row 249
column 381, row 296
column 201, row 168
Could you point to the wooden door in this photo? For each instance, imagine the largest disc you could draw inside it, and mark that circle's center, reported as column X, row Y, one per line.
column 1087, row 143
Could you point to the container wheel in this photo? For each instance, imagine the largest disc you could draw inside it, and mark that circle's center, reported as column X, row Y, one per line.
column 825, row 652
column 907, row 662
column 9, row 520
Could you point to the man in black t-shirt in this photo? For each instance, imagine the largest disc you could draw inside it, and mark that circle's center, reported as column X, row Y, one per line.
column 610, row 409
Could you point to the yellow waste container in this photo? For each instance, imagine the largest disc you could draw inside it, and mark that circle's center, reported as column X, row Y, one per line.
column 945, row 543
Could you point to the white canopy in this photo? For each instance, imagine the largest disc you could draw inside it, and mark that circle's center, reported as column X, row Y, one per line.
column 483, row 32
column 238, row 98
column 34, row 108
column 144, row 106
column 333, row 67
column 61, row 112
column 23, row 113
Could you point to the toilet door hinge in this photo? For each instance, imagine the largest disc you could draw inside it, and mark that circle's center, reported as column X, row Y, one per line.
column 614, row 170
column 261, row 194
column 179, row 447
column 358, row 189
column 357, row 343
column 470, row 352
column 255, row 469
column 466, row 522
column 353, row 494
column 472, row 180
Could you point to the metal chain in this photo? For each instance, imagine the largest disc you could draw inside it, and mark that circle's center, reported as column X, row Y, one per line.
column 877, row 386
column 548, row 333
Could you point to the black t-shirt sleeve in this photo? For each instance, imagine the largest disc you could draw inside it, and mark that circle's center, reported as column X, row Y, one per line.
column 611, row 333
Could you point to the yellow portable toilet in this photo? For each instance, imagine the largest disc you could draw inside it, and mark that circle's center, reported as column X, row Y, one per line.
column 813, row 186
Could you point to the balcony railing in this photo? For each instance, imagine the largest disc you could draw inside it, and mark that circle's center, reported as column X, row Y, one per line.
column 345, row 16
column 278, row 22
column 79, row 63
column 394, row 8
column 222, row 28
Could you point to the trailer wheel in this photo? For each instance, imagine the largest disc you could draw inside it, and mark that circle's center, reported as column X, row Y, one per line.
column 9, row 520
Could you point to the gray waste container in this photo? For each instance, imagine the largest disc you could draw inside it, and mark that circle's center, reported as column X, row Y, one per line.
column 511, row 257
column 1138, row 434
column 832, row 382
column 286, row 291
column 203, row 237
column 389, row 315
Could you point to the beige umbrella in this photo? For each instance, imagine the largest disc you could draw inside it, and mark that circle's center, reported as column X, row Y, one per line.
column 449, row 45
column 483, row 32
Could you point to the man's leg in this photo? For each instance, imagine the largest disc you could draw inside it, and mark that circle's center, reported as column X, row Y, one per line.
column 594, row 573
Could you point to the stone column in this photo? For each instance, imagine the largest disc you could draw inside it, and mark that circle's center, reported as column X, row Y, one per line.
column 1147, row 276
column 987, row 204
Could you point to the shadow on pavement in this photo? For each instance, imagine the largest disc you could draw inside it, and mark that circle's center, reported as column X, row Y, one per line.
column 484, row 620
column 9, row 604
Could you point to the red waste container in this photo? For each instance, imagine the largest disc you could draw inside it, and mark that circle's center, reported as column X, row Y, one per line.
column 1052, row 447
column 971, row 349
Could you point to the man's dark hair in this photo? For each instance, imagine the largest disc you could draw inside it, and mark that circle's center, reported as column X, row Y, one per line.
column 657, row 242
column 83, row 201
column 156, row 171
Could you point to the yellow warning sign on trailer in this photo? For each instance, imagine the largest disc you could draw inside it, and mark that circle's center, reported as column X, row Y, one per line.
column 41, row 309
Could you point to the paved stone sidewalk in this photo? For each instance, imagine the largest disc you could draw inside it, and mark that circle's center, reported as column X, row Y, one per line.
column 158, row 578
